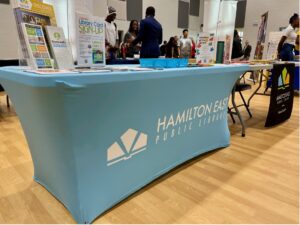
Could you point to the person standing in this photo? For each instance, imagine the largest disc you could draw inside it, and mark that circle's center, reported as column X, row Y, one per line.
column 287, row 43
column 129, row 37
column 172, row 48
column 111, row 34
column 178, row 43
column 163, row 48
column 237, row 49
column 185, row 45
column 150, row 35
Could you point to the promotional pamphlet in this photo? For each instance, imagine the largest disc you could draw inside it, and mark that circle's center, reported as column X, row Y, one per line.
column 90, row 40
column 92, row 70
column 205, row 50
column 39, row 57
column 59, row 47
column 37, row 8
column 50, row 71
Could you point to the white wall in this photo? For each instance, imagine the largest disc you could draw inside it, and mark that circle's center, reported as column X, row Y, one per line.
column 166, row 14
column 211, row 15
column 8, row 33
column 280, row 12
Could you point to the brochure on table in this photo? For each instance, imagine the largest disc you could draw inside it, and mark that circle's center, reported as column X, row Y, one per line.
column 205, row 50
column 39, row 57
column 59, row 47
column 90, row 40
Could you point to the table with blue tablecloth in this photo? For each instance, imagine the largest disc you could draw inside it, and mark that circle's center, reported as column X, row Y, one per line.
column 97, row 138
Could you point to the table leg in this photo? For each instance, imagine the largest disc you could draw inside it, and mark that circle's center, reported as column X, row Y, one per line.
column 256, row 90
column 7, row 101
column 237, row 110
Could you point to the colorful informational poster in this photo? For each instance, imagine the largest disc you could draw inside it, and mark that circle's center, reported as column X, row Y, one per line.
column 205, row 50
column 39, row 57
column 59, row 47
column 90, row 40
column 261, row 37
column 274, row 39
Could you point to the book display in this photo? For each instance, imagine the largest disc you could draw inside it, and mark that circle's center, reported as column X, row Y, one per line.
column 44, row 45
column 31, row 12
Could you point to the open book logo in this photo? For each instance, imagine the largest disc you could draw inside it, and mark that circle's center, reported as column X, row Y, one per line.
column 56, row 36
column 130, row 143
column 284, row 80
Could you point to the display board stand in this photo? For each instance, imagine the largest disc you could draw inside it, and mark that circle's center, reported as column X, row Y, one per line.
column 282, row 94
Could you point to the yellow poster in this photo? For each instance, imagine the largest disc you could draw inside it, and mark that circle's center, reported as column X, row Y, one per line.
column 35, row 6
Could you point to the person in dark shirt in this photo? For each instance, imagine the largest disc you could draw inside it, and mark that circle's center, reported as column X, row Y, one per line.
column 150, row 34
column 237, row 49
column 246, row 51
column 163, row 49
column 172, row 48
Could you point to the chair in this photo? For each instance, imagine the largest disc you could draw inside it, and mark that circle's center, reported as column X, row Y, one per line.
column 8, row 62
column 239, row 87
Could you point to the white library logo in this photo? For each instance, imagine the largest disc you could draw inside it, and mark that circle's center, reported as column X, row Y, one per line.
column 130, row 143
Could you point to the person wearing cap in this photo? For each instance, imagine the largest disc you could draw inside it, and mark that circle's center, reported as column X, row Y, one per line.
column 150, row 35
column 111, row 34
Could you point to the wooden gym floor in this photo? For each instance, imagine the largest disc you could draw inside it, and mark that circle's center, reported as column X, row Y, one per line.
column 255, row 180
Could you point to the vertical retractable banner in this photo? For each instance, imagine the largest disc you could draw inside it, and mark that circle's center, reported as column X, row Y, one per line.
column 261, row 36
column 282, row 94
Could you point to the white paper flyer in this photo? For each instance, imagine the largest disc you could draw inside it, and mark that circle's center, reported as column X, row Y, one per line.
column 59, row 47
column 205, row 50
column 90, row 40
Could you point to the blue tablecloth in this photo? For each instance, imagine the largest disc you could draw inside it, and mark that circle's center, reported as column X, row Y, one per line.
column 97, row 138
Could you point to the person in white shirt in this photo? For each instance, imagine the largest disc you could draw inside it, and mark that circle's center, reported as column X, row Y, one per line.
column 111, row 34
column 185, row 45
column 287, row 43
